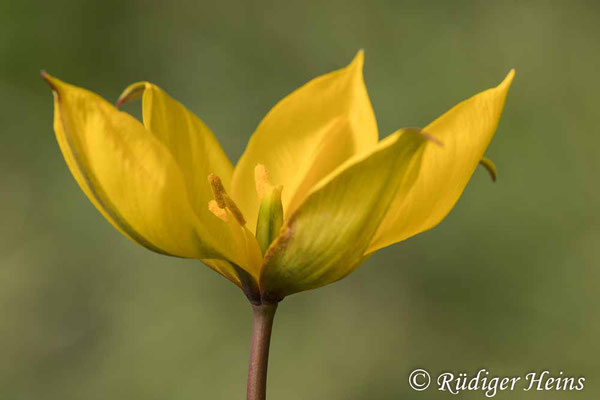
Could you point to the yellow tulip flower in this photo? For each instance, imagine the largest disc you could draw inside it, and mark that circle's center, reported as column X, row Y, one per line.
column 314, row 194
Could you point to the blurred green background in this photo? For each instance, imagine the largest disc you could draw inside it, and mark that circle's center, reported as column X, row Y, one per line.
column 509, row 281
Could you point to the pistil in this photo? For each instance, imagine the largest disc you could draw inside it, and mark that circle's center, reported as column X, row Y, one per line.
column 270, row 213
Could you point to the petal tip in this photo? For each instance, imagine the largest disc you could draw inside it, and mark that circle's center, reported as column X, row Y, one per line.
column 50, row 80
column 53, row 82
column 425, row 135
column 359, row 60
column 490, row 167
column 429, row 137
column 131, row 92
column 508, row 79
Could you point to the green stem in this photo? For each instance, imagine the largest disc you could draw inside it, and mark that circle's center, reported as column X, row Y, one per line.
column 263, row 315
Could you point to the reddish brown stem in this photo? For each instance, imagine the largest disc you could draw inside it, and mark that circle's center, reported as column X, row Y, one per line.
column 259, row 351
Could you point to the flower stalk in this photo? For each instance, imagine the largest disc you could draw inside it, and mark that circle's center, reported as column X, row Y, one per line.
column 263, row 315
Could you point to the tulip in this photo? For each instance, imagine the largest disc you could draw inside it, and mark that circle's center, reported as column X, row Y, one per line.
column 313, row 196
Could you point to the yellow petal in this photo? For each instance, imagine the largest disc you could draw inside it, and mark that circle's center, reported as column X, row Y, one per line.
column 189, row 140
column 306, row 136
column 245, row 243
column 466, row 131
column 132, row 179
column 326, row 238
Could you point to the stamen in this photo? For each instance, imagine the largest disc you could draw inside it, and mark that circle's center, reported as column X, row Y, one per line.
column 233, row 209
column 222, row 200
column 261, row 180
column 219, row 212
column 218, row 190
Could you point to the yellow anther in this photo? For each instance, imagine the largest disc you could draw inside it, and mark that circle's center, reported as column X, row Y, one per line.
column 261, row 180
column 218, row 190
column 223, row 201
column 214, row 208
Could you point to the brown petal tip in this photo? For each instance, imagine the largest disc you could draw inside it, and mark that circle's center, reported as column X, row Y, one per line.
column 426, row 135
column 132, row 92
column 48, row 78
column 432, row 138
column 490, row 167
